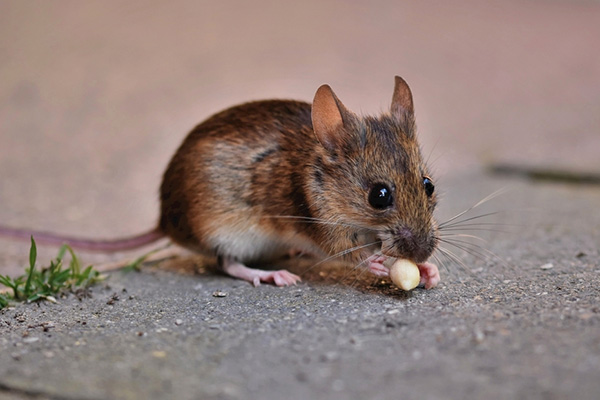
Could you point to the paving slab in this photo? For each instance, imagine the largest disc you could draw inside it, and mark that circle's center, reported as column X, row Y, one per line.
column 523, row 322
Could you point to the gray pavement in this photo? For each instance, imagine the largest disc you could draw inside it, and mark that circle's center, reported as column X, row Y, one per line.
column 95, row 97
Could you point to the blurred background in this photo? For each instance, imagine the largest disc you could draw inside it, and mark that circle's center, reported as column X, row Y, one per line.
column 95, row 96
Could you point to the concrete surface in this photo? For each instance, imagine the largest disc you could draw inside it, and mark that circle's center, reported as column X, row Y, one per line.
column 95, row 97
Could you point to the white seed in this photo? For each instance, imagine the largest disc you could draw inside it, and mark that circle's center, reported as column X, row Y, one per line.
column 547, row 266
column 405, row 274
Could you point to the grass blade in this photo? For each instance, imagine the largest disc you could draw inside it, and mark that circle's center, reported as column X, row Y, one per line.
column 32, row 259
column 3, row 301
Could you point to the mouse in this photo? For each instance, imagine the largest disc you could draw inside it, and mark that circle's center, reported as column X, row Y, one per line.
column 264, row 179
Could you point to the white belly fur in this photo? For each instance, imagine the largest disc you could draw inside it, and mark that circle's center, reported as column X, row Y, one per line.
column 251, row 244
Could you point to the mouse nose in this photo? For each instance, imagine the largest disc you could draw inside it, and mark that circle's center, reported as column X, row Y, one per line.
column 406, row 238
column 407, row 244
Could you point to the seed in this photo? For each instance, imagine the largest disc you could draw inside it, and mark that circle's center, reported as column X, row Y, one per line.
column 405, row 274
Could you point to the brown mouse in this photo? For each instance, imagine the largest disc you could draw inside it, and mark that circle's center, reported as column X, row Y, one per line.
column 261, row 179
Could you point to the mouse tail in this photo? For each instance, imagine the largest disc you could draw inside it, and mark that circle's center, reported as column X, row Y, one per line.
column 94, row 245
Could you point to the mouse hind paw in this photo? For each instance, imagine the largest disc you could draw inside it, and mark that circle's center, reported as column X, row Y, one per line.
column 256, row 276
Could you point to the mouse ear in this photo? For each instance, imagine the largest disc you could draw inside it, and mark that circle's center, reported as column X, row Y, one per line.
column 402, row 101
column 328, row 115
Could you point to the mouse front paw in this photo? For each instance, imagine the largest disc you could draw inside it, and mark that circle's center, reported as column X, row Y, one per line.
column 375, row 265
column 430, row 275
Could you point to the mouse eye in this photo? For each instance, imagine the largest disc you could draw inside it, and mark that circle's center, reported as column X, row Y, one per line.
column 428, row 185
column 380, row 196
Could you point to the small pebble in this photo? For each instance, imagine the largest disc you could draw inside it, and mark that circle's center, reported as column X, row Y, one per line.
column 219, row 293
column 547, row 266
column 159, row 354
column 478, row 336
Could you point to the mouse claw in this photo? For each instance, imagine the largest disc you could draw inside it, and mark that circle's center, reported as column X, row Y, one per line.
column 284, row 278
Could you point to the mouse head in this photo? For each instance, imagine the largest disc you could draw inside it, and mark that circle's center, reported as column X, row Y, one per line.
column 370, row 179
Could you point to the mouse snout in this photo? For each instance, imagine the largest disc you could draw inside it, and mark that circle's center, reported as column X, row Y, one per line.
column 406, row 243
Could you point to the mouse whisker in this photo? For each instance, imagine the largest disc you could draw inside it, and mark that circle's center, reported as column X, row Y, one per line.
column 347, row 251
column 443, row 263
column 361, row 272
column 480, row 202
column 462, row 224
column 454, row 223
column 449, row 255
column 475, row 227
column 462, row 235
column 450, row 233
column 471, row 248
column 341, row 254
column 475, row 250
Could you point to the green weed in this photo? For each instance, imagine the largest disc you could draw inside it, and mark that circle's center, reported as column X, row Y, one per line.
column 48, row 282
